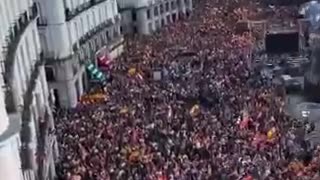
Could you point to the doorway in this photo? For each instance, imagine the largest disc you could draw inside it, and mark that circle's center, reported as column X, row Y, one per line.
column 56, row 98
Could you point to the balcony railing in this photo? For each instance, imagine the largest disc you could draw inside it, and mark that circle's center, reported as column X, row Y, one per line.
column 91, row 34
column 13, row 40
column 70, row 14
column 26, row 113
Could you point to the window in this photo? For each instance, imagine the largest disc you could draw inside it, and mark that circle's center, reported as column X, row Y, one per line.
column 92, row 45
column 94, row 19
column 134, row 16
column 163, row 22
column 156, row 11
column 76, row 30
column 187, row 2
column 35, row 40
column 97, row 42
column 100, row 15
column 82, row 30
column 148, row 14
column 116, row 31
column 158, row 24
column 108, row 35
column 50, row 74
column 74, row 69
column 161, row 8
column 167, row 6
column 150, row 27
column 173, row 5
column 179, row 3
column 168, row 19
column 88, row 22
column 121, row 29
column 174, row 16
column 106, row 11
column 135, row 30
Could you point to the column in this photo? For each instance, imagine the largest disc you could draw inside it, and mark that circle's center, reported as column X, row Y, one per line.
column 80, row 84
column 9, row 164
column 182, row 6
column 66, row 86
column 189, row 6
column 44, row 85
column 142, row 21
column 67, row 94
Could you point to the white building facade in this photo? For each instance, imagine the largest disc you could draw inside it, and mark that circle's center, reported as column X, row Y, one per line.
column 146, row 16
column 24, row 99
column 71, row 33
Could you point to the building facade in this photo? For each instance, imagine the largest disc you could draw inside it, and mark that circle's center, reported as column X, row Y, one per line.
column 71, row 34
column 26, row 120
column 146, row 16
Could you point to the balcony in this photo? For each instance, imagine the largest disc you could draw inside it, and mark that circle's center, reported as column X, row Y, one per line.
column 13, row 40
column 84, row 40
column 70, row 14
column 91, row 34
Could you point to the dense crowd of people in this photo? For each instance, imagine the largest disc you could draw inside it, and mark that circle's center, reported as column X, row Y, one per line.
column 186, row 103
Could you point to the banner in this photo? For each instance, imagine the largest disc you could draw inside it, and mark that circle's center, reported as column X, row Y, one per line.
column 104, row 58
column 95, row 73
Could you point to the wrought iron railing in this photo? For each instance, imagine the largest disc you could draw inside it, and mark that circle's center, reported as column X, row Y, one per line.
column 70, row 14
column 91, row 34
column 88, row 38
column 13, row 39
